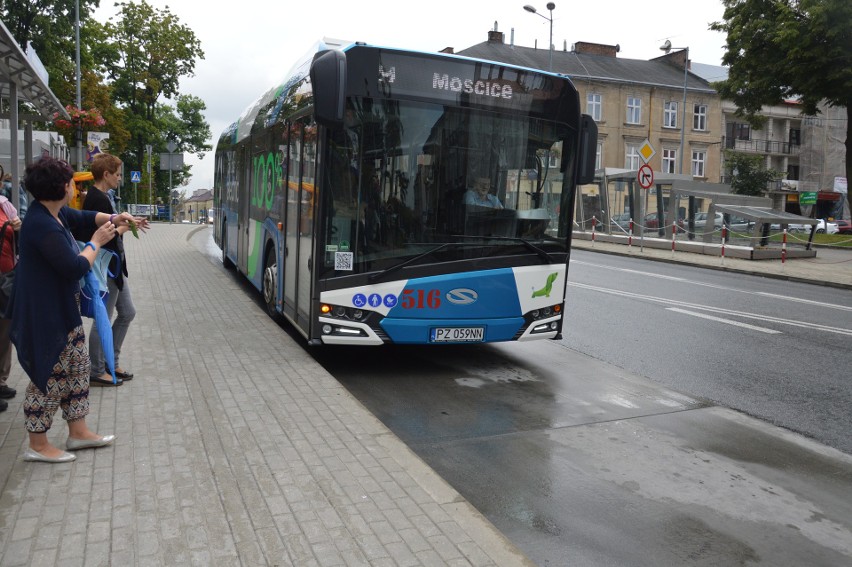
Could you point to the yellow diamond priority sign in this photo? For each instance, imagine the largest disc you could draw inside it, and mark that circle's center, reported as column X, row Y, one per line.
column 647, row 151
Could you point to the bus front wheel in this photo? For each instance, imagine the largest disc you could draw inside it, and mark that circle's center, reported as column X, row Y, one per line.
column 270, row 284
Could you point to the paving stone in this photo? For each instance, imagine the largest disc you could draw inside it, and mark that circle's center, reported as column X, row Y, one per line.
column 234, row 447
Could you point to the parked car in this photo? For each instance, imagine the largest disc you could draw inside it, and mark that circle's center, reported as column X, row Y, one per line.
column 799, row 228
column 652, row 222
column 738, row 224
column 827, row 227
column 700, row 220
column 822, row 227
column 620, row 223
column 844, row 226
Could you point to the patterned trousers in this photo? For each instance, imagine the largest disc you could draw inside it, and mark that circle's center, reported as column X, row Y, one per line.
column 67, row 387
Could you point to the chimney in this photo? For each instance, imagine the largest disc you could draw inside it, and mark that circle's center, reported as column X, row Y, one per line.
column 674, row 58
column 587, row 48
column 495, row 36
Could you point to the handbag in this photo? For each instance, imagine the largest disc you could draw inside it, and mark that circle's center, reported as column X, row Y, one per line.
column 7, row 279
column 97, row 290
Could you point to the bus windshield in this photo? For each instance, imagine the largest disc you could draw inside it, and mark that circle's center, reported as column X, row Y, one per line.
column 405, row 177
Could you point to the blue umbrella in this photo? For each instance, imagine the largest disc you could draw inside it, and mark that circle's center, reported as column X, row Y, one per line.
column 91, row 290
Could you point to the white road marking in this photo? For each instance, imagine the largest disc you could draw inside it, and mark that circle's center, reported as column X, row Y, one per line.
column 808, row 301
column 726, row 321
column 714, row 286
column 717, row 310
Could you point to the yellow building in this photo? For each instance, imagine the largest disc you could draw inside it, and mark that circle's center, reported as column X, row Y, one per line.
column 633, row 100
column 196, row 208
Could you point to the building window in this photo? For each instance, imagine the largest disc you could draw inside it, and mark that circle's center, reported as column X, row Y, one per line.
column 795, row 137
column 593, row 106
column 670, row 115
column 699, row 117
column 632, row 158
column 738, row 131
column 669, row 160
column 793, row 172
column 634, row 110
column 553, row 160
column 599, row 156
column 699, row 160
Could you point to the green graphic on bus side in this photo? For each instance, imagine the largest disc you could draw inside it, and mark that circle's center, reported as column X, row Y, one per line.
column 267, row 177
column 254, row 252
column 548, row 287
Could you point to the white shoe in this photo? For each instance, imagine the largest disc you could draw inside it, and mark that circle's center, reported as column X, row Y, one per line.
column 77, row 444
column 32, row 455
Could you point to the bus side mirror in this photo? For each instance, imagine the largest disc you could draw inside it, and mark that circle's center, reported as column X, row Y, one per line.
column 588, row 150
column 328, row 82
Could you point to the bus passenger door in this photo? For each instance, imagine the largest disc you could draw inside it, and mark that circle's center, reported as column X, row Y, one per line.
column 308, row 163
column 244, row 203
column 291, row 224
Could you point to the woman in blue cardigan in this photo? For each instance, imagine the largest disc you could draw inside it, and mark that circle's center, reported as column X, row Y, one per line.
column 47, row 329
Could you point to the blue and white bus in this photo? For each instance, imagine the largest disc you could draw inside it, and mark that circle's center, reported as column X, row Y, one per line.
column 348, row 196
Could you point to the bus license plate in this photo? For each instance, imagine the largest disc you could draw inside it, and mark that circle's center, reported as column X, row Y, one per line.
column 457, row 334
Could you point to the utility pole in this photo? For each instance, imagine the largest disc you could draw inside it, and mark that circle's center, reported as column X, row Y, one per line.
column 78, row 130
column 150, row 184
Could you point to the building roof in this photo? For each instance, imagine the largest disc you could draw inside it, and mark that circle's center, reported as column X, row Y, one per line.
column 26, row 74
column 200, row 196
column 658, row 72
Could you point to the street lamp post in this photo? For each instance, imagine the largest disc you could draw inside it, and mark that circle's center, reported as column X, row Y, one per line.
column 78, row 130
column 667, row 46
column 550, row 6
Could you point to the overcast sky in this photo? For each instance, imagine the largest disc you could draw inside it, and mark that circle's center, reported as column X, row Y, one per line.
column 250, row 45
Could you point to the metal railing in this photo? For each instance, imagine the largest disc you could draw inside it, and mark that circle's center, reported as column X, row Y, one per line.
column 760, row 146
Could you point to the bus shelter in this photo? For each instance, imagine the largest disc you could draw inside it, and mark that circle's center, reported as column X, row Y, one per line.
column 23, row 79
column 763, row 219
column 616, row 198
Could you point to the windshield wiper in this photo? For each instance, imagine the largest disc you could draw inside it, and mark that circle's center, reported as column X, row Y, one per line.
column 539, row 251
column 404, row 263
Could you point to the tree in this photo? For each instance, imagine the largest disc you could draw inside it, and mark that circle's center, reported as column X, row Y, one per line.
column 146, row 53
column 748, row 177
column 184, row 125
column 782, row 49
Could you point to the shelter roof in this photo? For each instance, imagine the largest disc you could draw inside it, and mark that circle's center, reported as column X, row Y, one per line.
column 761, row 215
column 16, row 68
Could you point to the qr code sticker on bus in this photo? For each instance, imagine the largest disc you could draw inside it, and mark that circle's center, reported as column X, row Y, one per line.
column 343, row 261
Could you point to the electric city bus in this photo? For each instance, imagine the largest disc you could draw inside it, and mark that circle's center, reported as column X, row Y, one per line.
column 384, row 196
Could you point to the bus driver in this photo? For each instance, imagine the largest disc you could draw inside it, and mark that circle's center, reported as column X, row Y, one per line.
column 480, row 195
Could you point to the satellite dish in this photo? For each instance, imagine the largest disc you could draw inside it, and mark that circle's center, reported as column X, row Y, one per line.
column 667, row 46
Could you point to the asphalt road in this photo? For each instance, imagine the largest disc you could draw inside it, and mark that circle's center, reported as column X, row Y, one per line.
column 773, row 349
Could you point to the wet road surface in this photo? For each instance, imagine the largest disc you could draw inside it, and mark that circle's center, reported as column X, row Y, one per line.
column 580, row 463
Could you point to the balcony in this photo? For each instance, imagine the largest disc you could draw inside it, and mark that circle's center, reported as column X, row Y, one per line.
column 761, row 146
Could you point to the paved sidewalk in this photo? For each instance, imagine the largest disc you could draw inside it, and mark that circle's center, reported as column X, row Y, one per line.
column 234, row 448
